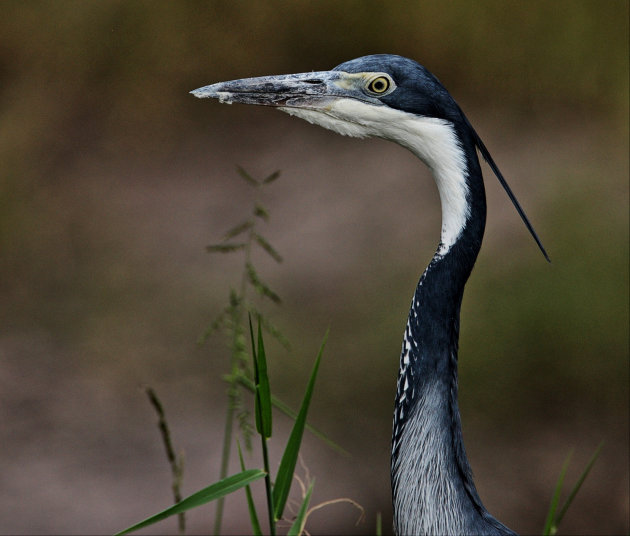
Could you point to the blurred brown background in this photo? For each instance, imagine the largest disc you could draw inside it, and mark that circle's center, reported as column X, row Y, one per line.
column 114, row 179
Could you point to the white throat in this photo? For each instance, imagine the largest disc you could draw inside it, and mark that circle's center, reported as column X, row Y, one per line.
column 432, row 140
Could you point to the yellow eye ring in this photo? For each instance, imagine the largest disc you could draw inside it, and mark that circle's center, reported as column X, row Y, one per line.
column 379, row 85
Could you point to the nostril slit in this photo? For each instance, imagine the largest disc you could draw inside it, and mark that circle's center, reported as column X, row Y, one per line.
column 313, row 81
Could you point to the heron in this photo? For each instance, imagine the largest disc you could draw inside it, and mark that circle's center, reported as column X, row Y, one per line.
column 397, row 99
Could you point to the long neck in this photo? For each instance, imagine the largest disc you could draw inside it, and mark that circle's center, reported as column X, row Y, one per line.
column 433, row 490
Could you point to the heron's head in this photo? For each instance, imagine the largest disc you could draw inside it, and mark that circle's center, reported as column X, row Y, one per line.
column 383, row 96
column 364, row 97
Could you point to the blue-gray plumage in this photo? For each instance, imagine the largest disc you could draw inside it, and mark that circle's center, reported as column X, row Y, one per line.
column 395, row 98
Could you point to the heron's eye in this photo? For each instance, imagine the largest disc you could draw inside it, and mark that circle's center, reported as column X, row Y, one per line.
column 379, row 85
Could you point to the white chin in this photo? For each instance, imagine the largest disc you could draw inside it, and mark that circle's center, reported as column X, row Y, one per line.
column 328, row 118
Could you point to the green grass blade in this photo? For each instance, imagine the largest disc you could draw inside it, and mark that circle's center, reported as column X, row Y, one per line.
column 578, row 484
column 248, row 178
column 270, row 328
column 298, row 525
column 257, row 409
column 284, row 477
column 259, row 423
column 263, row 243
column 225, row 248
column 206, row 495
column 284, row 408
column 379, row 524
column 238, row 229
column 259, row 286
column 263, row 390
column 253, row 515
column 271, row 177
column 550, row 526
column 251, row 336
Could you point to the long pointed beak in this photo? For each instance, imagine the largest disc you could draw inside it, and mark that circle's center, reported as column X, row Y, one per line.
column 305, row 90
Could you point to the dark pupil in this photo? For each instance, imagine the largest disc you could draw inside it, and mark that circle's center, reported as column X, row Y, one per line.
column 379, row 85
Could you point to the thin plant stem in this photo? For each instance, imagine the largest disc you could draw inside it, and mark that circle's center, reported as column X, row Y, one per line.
column 268, row 489
column 238, row 322
column 225, row 460
column 176, row 464
column 578, row 484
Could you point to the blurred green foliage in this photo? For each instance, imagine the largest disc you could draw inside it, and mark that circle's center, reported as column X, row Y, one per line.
column 570, row 334
column 104, row 67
